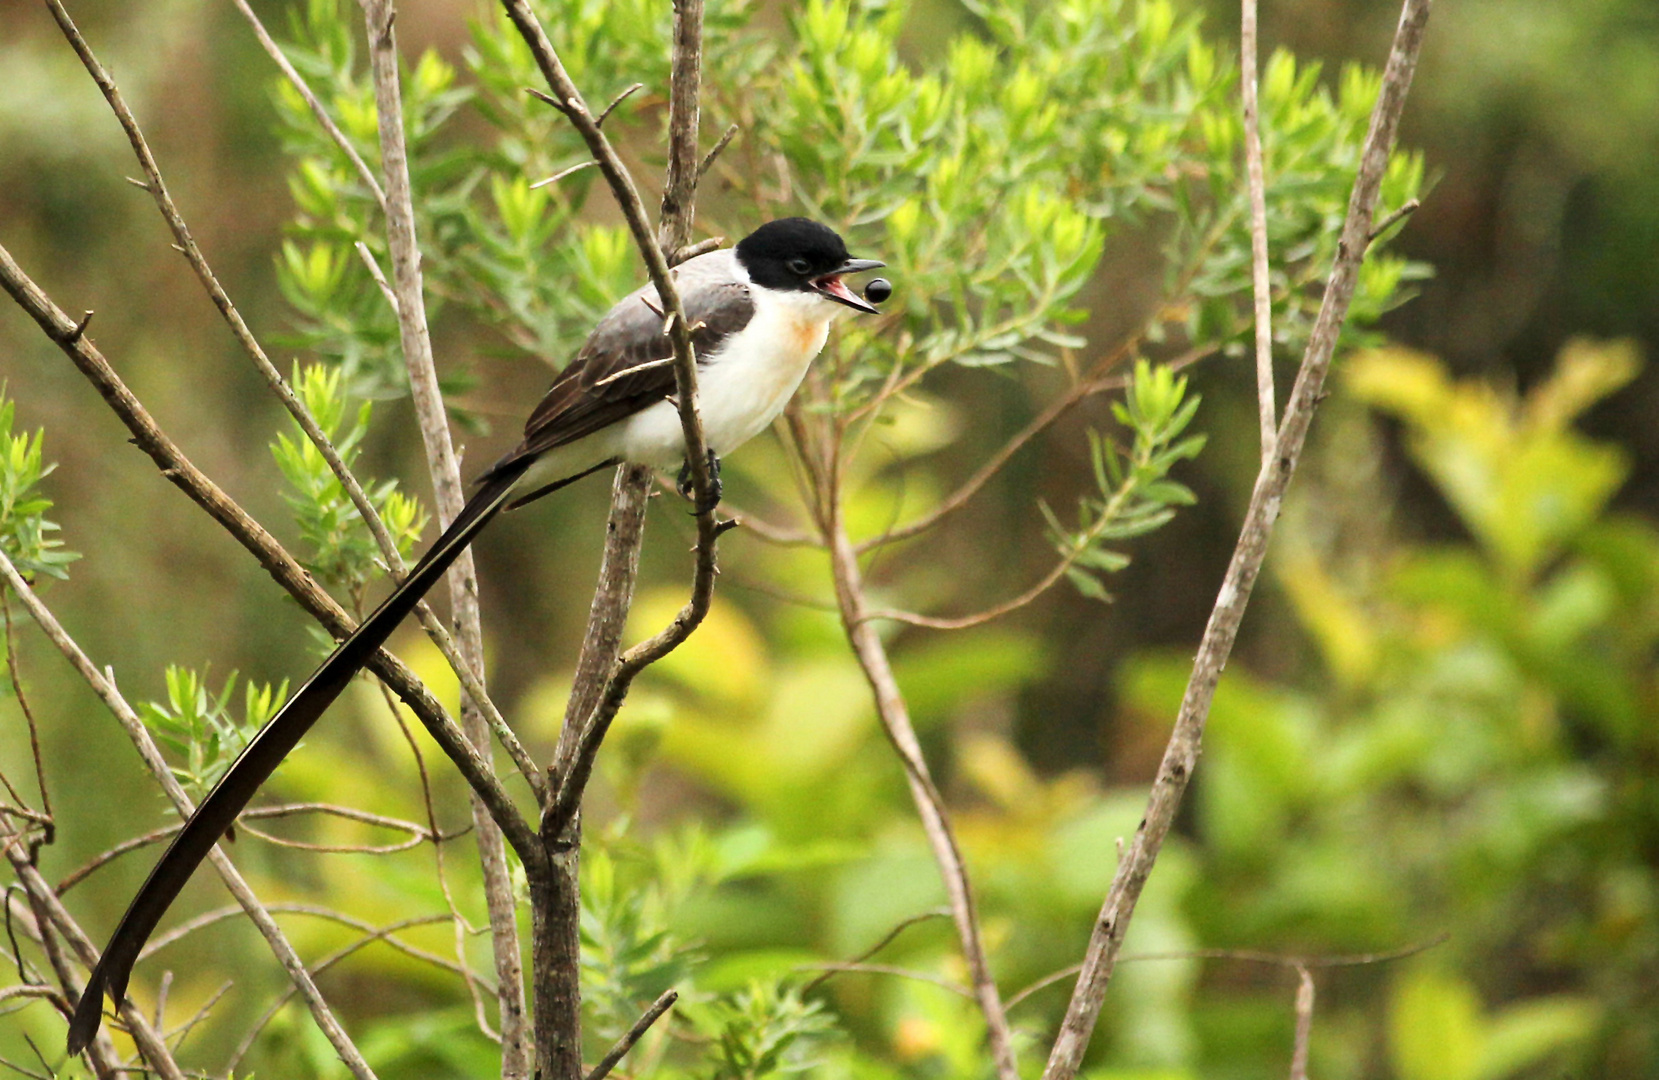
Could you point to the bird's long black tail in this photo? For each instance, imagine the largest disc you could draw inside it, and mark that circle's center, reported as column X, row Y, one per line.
column 218, row 812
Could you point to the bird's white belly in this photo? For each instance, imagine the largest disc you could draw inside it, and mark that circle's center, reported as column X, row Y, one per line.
column 740, row 392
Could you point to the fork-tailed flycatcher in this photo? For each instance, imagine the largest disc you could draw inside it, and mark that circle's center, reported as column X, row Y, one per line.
column 760, row 312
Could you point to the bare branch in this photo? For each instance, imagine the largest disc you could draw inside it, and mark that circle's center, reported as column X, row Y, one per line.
column 447, row 487
column 316, row 911
column 562, row 173
column 419, row 833
column 44, row 818
column 836, row 967
column 633, row 1035
column 370, row 936
column 701, row 247
column 599, row 121
column 1181, row 755
column 1408, row 208
column 1261, row 287
column 886, row 940
column 721, row 144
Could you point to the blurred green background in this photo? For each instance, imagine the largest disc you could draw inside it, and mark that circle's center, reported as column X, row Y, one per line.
column 1441, row 720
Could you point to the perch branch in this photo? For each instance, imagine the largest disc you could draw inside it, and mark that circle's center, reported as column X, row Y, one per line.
column 616, row 1053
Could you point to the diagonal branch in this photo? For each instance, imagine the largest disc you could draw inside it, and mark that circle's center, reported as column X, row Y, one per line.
column 895, row 721
column 324, row 121
column 1181, row 755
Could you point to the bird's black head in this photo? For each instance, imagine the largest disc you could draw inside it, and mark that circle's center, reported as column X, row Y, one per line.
column 799, row 254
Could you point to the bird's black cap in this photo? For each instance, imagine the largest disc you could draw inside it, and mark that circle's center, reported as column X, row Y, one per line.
column 801, row 254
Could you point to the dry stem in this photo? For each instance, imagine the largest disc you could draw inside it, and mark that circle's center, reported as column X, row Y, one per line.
column 1261, row 287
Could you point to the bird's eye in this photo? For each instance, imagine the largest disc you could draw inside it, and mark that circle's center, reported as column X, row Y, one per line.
column 799, row 266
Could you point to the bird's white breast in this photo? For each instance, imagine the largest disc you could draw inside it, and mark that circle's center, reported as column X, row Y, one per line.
column 742, row 387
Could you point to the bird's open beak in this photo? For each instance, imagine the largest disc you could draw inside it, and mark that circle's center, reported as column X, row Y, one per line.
column 832, row 286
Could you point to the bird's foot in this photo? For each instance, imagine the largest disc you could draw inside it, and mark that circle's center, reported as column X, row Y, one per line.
column 687, row 490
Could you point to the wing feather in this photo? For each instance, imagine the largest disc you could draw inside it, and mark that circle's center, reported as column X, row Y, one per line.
column 620, row 371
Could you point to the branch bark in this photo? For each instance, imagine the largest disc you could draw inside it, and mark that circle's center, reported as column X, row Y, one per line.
column 1261, row 287
column 379, row 16
column 603, row 678
column 555, row 897
column 1181, row 754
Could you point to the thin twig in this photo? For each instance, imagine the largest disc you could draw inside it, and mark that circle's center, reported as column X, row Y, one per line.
column 180, row 1033
column 836, row 967
column 459, row 926
column 599, row 121
column 701, row 247
column 895, row 720
column 1261, row 287
column 373, row 935
column 151, row 1047
column 1249, row 956
column 44, row 818
column 633, row 1035
column 315, row 911
column 886, row 940
column 255, row 813
column 446, row 482
column 714, row 151
column 1408, row 208
column 326, row 122
column 1181, row 754
column 562, row 173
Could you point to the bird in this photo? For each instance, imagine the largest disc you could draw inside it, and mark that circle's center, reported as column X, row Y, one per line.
column 759, row 312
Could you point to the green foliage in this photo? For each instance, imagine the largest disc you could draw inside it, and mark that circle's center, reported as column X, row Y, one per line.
column 25, row 533
column 1136, row 494
column 343, row 551
column 1472, row 762
column 197, row 725
column 997, row 169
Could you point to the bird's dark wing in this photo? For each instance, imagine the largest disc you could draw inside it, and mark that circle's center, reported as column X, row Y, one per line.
column 626, row 364
column 218, row 812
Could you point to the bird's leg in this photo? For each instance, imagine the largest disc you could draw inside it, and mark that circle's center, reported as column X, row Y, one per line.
column 684, row 486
